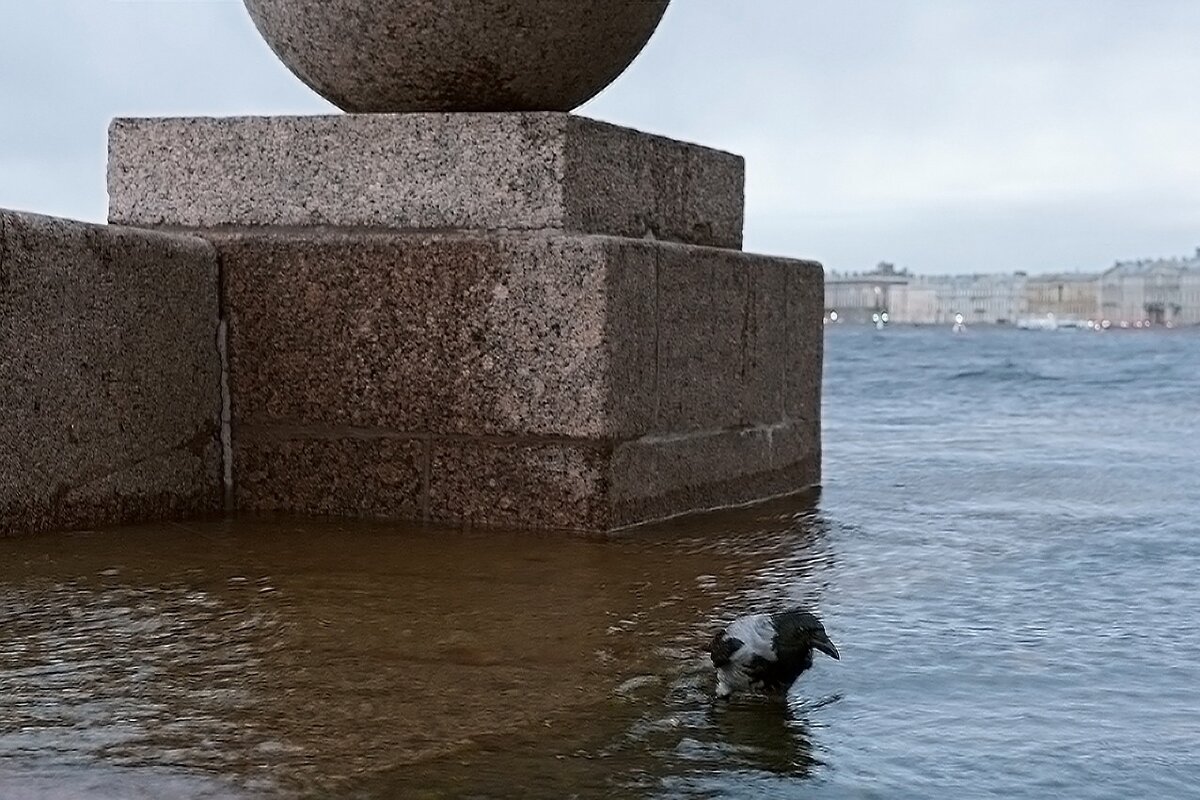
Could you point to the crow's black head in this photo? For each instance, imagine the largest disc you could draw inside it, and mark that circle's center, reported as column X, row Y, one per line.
column 798, row 629
column 722, row 648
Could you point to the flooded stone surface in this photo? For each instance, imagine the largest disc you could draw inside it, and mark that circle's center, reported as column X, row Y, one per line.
column 1005, row 552
column 300, row 656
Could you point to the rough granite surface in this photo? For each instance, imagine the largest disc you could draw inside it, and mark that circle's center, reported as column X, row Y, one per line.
column 482, row 55
column 658, row 477
column 109, row 375
column 519, row 319
column 345, row 475
column 550, row 380
column 424, row 171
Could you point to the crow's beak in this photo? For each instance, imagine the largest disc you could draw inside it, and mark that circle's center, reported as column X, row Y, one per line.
column 821, row 642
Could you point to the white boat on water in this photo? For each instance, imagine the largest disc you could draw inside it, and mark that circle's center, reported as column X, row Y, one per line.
column 1048, row 323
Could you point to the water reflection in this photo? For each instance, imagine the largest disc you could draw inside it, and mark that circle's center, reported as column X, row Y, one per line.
column 330, row 659
column 685, row 752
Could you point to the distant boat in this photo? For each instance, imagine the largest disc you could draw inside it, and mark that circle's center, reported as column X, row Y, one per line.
column 1048, row 323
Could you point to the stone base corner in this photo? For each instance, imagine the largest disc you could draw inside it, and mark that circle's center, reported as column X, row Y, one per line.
column 560, row 381
column 526, row 319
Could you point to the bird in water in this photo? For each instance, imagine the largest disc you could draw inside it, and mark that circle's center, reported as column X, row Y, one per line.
column 767, row 652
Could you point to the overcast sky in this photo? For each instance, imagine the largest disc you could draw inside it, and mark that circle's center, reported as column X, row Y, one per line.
column 942, row 135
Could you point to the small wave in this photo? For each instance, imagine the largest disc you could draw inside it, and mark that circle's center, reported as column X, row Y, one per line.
column 1007, row 372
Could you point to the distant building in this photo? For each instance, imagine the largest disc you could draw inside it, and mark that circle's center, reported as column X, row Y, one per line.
column 981, row 299
column 1189, row 293
column 1159, row 291
column 857, row 297
column 925, row 300
column 1070, row 296
column 1131, row 293
column 914, row 304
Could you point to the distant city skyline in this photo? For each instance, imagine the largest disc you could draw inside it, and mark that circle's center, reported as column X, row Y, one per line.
column 914, row 270
column 1045, row 135
column 1138, row 293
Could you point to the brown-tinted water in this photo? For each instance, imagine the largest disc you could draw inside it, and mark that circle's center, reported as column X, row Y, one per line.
column 323, row 658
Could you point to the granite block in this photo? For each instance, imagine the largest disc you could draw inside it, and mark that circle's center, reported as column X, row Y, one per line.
column 109, row 375
column 527, row 361
column 626, row 183
column 805, row 344
column 555, row 335
column 548, row 485
column 595, row 486
column 430, row 333
column 423, row 171
column 329, row 473
column 721, row 333
column 663, row 476
column 631, row 337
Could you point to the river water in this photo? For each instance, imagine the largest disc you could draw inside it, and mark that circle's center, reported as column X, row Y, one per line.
column 1006, row 551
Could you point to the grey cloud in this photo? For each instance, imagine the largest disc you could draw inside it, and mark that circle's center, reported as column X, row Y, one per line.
column 941, row 134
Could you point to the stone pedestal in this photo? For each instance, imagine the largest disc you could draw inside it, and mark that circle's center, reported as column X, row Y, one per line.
column 109, row 375
column 429, row 172
column 508, row 319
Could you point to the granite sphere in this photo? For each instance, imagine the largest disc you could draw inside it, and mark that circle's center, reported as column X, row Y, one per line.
column 457, row 55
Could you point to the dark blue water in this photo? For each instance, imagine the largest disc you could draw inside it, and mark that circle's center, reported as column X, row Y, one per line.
column 1006, row 551
column 1017, row 522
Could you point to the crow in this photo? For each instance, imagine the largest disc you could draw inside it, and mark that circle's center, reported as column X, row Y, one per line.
column 767, row 652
